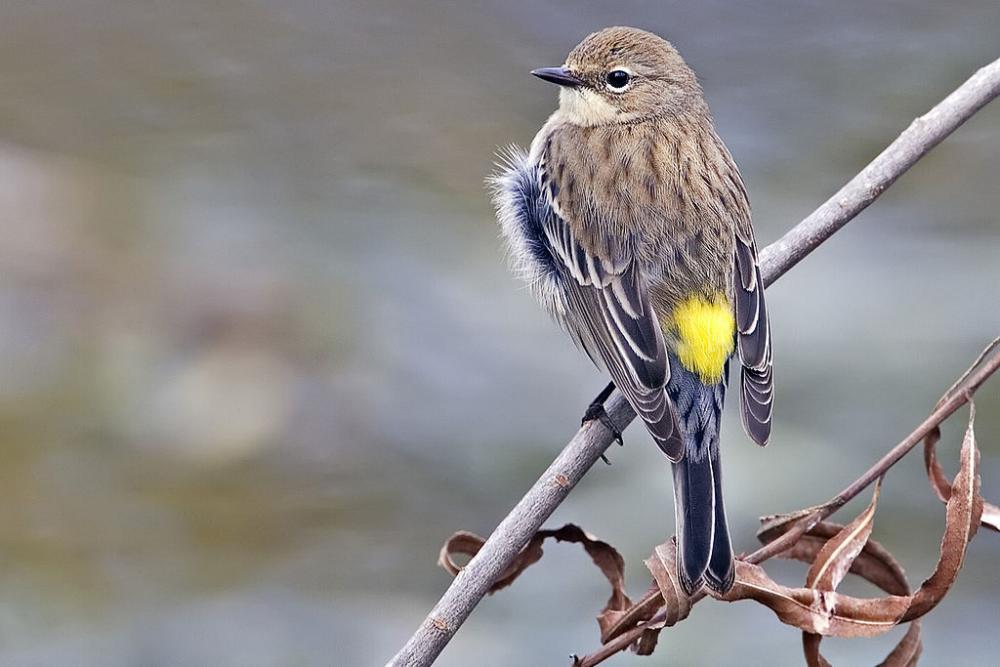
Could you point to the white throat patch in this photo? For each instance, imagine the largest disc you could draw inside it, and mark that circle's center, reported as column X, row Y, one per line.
column 586, row 108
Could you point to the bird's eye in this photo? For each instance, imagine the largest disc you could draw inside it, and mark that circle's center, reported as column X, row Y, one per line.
column 618, row 79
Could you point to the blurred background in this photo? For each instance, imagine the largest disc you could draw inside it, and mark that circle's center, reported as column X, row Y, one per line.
column 261, row 355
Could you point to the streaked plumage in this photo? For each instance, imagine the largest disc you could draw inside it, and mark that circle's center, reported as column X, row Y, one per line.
column 629, row 219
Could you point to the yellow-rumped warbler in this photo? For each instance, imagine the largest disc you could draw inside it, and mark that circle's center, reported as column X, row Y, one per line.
column 630, row 221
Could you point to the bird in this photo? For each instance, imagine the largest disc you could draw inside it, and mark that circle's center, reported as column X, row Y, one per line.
column 630, row 221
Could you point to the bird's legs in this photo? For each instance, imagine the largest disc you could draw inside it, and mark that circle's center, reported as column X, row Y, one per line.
column 596, row 411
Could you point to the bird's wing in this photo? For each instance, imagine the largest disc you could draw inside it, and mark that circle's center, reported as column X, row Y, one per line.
column 610, row 314
column 756, row 380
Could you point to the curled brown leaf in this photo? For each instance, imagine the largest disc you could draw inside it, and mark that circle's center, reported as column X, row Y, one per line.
column 874, row 564
column 962, row 516
column 838, row 554
column 666, row 600
column 831, row 564
column 469, row 544
column 776, row 525
column 826, row 612
column 942, row 487
column 810, row 648
column 604, row 556
column 672, row 602
column 619, row 622
column 819, row 612
column 908, row 650
column 662, row 564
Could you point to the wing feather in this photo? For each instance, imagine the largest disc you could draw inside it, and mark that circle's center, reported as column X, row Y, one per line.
column 611, row 313
column 754, row 339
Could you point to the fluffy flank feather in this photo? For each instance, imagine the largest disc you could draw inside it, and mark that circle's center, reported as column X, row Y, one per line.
column 520, row 209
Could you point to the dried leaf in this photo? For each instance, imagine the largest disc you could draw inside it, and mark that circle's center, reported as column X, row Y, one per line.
column 774, row 526
column 820, row 612
column 604, row 556
column 616, row 622
column 874, row 563
column 646, row 643
column 829, row 613
column 908, row 650
column 865, row 558
column 963, row 514
column 831, row 565
column 942, row 487
column 464, row 542
column 662, row 564
column 940, row 483
column 810, row 648
column 838, row 554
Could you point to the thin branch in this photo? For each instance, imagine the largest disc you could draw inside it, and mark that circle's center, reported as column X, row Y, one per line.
column 952, row 402
column 958, row 395
column 921, row 136
column 590, row 442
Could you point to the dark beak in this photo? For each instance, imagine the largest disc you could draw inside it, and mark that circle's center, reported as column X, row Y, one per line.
column 558, row 75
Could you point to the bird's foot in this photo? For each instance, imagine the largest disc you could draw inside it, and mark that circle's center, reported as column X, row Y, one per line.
column 596, row 412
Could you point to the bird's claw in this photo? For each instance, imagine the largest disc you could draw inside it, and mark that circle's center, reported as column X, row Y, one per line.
column 596, row 412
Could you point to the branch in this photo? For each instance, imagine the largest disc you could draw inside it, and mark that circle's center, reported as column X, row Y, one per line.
column 921, row 136
column 959, row 394
column 593, row 438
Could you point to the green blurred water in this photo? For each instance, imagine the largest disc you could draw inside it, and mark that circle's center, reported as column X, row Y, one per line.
column 261, row 355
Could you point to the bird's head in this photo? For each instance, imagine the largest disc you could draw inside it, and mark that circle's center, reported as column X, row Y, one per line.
column 620, row 75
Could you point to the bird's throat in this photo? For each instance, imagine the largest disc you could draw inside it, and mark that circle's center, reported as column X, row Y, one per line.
column 583, row 107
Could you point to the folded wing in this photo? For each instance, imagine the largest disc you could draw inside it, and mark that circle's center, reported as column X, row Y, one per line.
column 754, row 339
column 610, row 314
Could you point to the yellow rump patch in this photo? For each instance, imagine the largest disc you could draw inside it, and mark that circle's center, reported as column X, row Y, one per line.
column 705, row 335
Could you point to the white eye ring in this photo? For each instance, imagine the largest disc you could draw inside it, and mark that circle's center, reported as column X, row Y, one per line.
column 619, row 79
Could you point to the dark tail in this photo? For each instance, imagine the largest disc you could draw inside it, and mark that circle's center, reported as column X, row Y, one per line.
column 704, row 550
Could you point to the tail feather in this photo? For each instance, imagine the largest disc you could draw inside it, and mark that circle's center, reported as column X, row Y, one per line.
column 704, row 548
column 721, row 569
column 694, row 504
